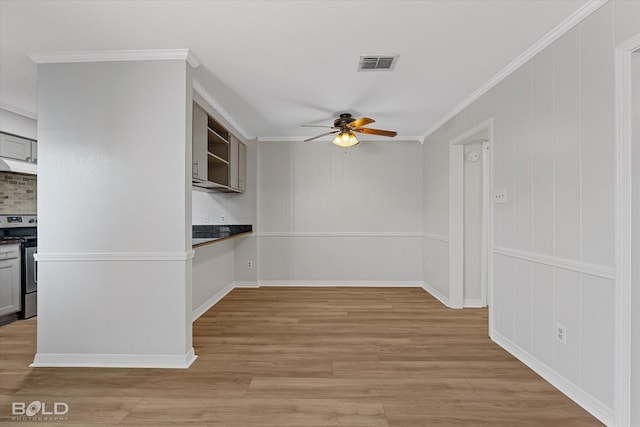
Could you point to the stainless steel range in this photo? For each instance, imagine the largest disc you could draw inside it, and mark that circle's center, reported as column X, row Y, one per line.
column 18, row 271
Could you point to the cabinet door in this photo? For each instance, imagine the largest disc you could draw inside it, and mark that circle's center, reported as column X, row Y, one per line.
column 242, row 167
column 199, row 141
column 15, row 147
column 233, row 163
column 9, row 279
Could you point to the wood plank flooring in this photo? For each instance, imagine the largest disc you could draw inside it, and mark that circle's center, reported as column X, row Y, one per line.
column 306, row 357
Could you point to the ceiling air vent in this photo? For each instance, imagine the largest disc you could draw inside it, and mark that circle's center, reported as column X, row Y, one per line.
column 377, row 62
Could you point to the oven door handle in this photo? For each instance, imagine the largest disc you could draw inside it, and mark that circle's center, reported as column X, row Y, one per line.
column 35, row 268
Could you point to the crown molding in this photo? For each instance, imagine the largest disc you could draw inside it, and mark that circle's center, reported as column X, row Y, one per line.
column 114, row 55
column 302, row 138
column 198, row 87
column 17, row 110
column 578, row 16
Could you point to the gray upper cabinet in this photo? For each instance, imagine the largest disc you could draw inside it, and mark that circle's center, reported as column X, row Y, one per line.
column 233, row 162
column 18, row 148
column 199, row 166
column 237, row 164
column 216, row 155
column 242, row 167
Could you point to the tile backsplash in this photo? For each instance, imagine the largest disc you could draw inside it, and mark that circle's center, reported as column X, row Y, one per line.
column 18, row 193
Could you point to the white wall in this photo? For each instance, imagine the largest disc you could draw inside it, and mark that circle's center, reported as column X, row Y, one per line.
column 213, row 274
column 436, row 216
column 18, row 124
column 554, row 143
column 114, row 208
column 236, row 208
column 330, row 216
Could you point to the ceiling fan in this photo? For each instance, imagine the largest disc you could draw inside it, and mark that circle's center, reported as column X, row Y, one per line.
column 345, row 126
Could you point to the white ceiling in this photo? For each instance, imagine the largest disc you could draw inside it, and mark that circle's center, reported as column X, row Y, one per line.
column 277, row 64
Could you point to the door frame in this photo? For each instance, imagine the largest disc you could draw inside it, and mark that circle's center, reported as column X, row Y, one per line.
column 624, row 169
column 456, row 214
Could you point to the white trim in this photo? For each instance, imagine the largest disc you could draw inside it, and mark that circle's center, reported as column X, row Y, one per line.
column 566, row 264
column 212, row 301
column 339, row 234
column 199, row 88
column 474, row 303
column 246, row 285
column 419, row 139
column 113, row 256
column 437, row 237
column 587, row 9
column 341, row 283
column 18, row 110
column 575, row 393
column 436, row 294
column 114, row 55
column 456, row 224
column 461, row 139
column 487, row 184
column 624, row 176
column 168, row 361
column 456, row 210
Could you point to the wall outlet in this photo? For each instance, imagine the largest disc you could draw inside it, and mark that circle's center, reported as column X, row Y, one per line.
column 249, row 264
column 206, row 219
column 500, row 196
column 427, row 267
column 561, row 333
column 222, row 218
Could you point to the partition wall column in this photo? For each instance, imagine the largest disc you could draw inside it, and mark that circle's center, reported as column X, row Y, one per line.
column 114, row 207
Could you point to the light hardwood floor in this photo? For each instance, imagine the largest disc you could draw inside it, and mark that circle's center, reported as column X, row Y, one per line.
column 306, row 357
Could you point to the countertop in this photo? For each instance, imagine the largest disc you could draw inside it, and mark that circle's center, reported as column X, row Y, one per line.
column 206, row 234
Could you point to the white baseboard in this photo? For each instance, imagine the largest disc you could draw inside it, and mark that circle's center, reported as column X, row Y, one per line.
column 473, row 303
column 246, row 285
column 212, row 301
column 342, row 283
column 168, row 361
column 571, row 390
column 436, row 294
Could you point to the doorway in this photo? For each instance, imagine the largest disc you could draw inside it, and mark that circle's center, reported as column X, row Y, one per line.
column 470, row 216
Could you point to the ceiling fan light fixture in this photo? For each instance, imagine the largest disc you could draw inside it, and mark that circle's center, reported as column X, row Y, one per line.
column 345, row 140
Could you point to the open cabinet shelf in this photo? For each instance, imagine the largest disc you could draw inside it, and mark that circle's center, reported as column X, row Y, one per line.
column 219, row 158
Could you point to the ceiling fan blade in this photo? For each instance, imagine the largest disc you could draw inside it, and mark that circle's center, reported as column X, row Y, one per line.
column 321, row 135
column 380, row 132
column 363, row 121
column 318, row 126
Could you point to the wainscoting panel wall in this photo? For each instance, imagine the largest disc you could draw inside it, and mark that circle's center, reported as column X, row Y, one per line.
column 328, row 214
column 213, row 274
column 553, row 241
column 341, row 258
